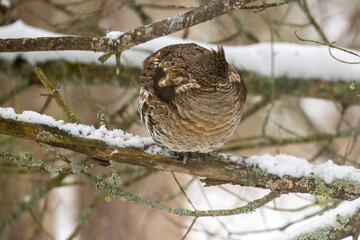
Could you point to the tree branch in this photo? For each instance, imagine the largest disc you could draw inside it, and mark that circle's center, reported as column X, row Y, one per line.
column 129, row 39
column 216, row 168
column 256, row 84
column 344, row 226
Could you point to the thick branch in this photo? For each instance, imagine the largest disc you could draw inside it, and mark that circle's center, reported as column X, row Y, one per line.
column 51, row 44
column 214, row 167
column 127, row 40
column 174, row 24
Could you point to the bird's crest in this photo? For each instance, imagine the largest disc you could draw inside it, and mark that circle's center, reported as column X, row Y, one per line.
column 220, row 61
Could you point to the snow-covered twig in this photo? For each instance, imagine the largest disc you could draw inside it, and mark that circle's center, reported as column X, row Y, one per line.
column 337, row 223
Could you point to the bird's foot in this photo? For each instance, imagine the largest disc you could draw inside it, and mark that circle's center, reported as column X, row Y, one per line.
column 185, row 158
column 183, row 155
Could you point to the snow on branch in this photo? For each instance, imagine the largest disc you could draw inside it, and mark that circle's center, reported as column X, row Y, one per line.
column 116, row 138
column 336, row 222
column 280, row 173
column 291, row 60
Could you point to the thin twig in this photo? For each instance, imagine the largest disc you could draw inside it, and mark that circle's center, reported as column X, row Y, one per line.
column 23, row 85
column 338, row 59
column 85, row 213
column 266, row 120
column 37, row 195
column 39, row 224
column 183, row 191
column 119, row 192
column 55, row 94
column 306, row 10
column 255, row 107
column 330, row 45
column 168, row 6
column 175, row 195
column 190, row 227
column 55, row 153
column 118, row 65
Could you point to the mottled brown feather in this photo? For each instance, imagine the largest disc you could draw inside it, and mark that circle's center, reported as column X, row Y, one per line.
column 191, row 99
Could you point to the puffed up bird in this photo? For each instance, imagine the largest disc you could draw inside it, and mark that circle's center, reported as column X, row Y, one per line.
column 191, row 98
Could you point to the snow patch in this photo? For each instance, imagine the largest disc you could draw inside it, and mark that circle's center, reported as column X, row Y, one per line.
column 5, row 3
column 157, row 150
column 291, row 60
column 344, row 210
column 114, row 35
column 65, row 210
column 282, row 165
column 19, row 29
column 116, row 137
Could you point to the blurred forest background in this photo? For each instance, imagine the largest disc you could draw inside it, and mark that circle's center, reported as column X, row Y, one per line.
column 72, row 208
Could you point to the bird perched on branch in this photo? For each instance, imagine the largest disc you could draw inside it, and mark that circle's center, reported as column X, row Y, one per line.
column 191, row 98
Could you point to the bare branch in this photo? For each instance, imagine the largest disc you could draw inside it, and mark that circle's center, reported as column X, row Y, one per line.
column 305, row 8
column 330, row 45
column 55, row 94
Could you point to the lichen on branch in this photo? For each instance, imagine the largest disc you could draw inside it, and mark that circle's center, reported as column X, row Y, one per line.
column 215, row 168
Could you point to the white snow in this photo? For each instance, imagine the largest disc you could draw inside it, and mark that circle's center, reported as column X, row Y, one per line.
column 282, row 164
column 115, row 137
column 323, row 114
column 5, row 3
column 329, row 218
column 19, row 29
column 157, row 150
column 66, row 211
column 114, row 152
column 292, row 60
column 114, row 35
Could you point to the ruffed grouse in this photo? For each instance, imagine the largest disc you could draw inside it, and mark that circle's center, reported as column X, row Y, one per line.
column 191, row 99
